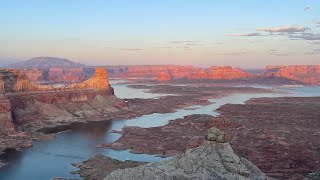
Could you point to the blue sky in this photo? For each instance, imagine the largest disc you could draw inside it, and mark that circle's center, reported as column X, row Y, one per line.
column 248, row 33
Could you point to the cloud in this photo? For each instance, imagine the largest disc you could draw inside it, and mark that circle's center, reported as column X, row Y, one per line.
column 250, row 34
column 317, row 42
column 184, row 41
column 131, row 49
column 163, row 47
column 308, row 8
column 260, row 41
column 284, row 29
column 314, row 52
column 307, row 36
column 183, row 47
column 279, row 54
column 236, row 53
column 193, row 44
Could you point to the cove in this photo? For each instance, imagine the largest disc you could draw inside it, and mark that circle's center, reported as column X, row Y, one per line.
column 47, row 159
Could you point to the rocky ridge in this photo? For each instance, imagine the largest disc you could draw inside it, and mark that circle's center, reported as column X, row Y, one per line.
column 309, row 74
column 213, row 160
column 47, row 69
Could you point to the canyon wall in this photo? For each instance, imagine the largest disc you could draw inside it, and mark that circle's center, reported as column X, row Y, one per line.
column 309, row 74
column 15, row 81
column 22, row 102
column 227, row 72
column 212, row 73
column 66, row 75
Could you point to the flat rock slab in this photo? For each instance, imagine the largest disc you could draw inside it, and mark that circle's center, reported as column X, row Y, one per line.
column 99, row 166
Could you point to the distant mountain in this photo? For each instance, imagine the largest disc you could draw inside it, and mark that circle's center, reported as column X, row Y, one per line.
column 46, row 62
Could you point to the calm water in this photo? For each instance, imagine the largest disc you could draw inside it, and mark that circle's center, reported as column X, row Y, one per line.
column 47, row 159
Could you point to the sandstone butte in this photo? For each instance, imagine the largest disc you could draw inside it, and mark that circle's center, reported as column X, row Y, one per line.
column 23, row 102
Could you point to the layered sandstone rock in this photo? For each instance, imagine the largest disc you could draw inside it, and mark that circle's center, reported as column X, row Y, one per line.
column 23, row 102
column 98, row 81
column 164, row 76
column 309, row 74
column 227, row 72
column 6, row 123
column 35, row 75
column 14, row 81
column 1, row 84
column 66, row 74
column 213, row 160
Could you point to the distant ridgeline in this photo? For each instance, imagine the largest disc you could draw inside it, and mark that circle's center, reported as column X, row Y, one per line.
column 49, row 69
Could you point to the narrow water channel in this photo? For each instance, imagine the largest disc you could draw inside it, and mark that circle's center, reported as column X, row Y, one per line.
column 47, row 159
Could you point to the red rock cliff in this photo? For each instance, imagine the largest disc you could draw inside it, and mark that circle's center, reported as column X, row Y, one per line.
column 164, row 76
column 309, row 74
column 99, row 81
column 23, row 102
column 34, row 75
column 13, row 81
column 227, row 72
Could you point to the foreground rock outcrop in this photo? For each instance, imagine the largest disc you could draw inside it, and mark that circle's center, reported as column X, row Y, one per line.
column 213, row 160
column 99, row 166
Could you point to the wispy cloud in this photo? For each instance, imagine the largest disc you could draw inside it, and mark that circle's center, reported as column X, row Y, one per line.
column 314, row 52
column 162, row 47
column 193, row 44
column 307, row 36
column 279, row 54
column 259, row 41
column 284, row 29
column 236, row 53
column 275, row 52
column 131, row 49
column 308, row 8
column 249, row 34
column 184, row 41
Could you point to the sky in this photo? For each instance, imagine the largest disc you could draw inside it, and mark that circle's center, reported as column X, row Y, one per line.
column 241, row 33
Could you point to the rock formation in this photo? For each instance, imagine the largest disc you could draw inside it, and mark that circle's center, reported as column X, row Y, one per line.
column 53, row 70
column 213, row 160
column 14, row 81
column 227, row 72
column 35, row 107
column 6, row 124
column 35, row 75
column 66, row 75
column 309, row 74
column 164, row 76
column 99, row 166
column 98, row 81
